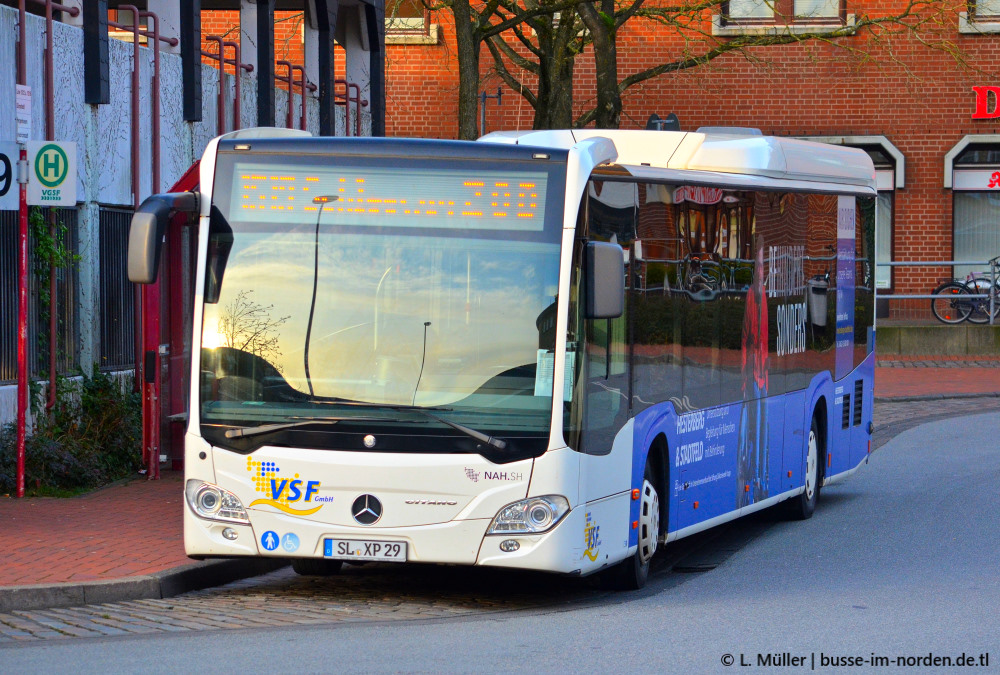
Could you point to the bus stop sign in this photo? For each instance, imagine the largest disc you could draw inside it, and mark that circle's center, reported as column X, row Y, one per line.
column 52, row 173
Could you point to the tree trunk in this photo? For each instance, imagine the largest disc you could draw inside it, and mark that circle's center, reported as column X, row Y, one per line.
column 555, row 89
column 608, row 112
column 468, row 44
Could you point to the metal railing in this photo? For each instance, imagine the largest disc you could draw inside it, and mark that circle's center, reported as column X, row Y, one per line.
column 993, row 264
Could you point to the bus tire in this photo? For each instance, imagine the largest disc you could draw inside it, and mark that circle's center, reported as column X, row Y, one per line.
column 316, row 567
column 802, row 506
column 631, row 574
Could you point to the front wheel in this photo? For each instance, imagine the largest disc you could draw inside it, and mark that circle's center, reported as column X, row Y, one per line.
column 631, row 574
column 802, row 507
column 950, row 306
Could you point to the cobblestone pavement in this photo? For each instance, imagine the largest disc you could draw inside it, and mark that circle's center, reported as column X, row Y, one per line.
column 359, row 593
column 894, row 417
column 388, row 593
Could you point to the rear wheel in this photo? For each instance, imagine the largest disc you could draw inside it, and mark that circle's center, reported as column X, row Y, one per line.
column 950, row 306
column 802, row 507
column 316, row 567
column 980, row 307
column 631, row 574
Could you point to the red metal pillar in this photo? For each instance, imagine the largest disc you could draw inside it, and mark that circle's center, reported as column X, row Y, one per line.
column 236, row 80
column 151, row 378
column 302, row 71
column 50, row 135
column 22, row 321
column 155, row 103
column 135, row 184
column 221, row 117
column 178, row 274
column 22, row 275
column 291, row 88
column 151, row 292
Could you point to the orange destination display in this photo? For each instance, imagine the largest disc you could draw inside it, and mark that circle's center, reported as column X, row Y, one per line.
column 389, row 197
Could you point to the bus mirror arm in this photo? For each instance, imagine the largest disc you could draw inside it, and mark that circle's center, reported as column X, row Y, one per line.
column 604, row 280
column 149, row 224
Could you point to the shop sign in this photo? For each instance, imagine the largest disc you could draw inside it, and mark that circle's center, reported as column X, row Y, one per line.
column 698, row 195
column 987, row 106
column 976, row 179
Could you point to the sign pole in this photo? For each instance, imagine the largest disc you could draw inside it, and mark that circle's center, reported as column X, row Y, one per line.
column 22, row 320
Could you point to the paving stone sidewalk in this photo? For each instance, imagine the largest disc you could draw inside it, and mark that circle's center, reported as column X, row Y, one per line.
column 917, row 377
column 120, row 531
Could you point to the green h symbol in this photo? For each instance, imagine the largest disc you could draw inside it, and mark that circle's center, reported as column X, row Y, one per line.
column 51, row 165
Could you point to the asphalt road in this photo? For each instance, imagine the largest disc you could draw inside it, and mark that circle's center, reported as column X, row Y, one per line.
column 899, row 562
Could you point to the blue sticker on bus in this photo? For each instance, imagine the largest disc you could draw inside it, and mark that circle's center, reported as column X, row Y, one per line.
column 269, row 540
column 290, row 542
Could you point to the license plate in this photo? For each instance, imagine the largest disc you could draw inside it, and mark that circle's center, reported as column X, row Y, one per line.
column 362, row 549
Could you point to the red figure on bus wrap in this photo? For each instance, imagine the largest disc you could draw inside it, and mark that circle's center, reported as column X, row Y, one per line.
column 753, row 459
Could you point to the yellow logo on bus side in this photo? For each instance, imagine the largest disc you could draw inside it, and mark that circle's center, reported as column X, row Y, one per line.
column 592, row 538
column 281, row 491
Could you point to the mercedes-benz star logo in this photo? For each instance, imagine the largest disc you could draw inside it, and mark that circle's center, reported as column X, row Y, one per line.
column 366, row 509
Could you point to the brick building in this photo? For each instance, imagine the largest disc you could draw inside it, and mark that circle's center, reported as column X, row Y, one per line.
column 910, row 106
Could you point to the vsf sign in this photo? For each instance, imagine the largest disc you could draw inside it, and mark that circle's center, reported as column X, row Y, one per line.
column 52, row 173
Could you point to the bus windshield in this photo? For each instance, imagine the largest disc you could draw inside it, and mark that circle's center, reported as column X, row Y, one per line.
column 358, row 292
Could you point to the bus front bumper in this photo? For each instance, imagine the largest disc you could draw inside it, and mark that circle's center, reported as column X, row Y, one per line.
column 462, row 542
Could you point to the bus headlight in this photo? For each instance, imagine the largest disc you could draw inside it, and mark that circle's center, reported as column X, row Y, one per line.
column 530, row 516
column 213, row 503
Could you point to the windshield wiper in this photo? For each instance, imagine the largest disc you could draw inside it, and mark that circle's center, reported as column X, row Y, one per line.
column 497, row 443
column 240, row 432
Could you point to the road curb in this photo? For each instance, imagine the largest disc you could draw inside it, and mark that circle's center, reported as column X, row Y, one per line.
column 166, row 584
column 935, row 397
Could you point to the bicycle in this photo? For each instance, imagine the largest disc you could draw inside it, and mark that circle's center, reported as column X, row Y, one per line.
column 956, row 303
column 703, row 274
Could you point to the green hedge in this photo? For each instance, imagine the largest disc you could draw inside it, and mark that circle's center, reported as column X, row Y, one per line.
column 92, row 437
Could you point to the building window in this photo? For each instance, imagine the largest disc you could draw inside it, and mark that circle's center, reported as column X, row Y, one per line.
column 405, row 16
column 66, row 347
column 976, row 191
column 9, row 235
column 407, row 22
column 985, row 9
column 784, row 11
column 883, row 239
column 983, row 16
column 117, row 292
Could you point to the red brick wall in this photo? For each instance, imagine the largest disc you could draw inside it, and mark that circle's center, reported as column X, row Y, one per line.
column 918, row 98
column 226, row 23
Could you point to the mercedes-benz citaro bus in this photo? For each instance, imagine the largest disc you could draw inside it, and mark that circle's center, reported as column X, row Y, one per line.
column 553, row 350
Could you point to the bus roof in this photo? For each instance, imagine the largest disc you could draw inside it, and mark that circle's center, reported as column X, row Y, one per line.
column 718, row 152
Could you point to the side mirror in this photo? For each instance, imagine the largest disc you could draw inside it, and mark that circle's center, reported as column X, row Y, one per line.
column 604, row 280
column 149, row 224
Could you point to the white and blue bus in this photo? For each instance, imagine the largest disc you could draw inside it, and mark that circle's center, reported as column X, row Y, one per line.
column 543, row 350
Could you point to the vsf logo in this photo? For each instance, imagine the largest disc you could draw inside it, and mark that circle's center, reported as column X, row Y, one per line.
column 51, row 166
